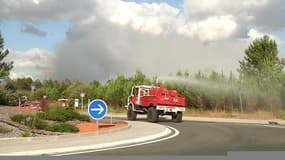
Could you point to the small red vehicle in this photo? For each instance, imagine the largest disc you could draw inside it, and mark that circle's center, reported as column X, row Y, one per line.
column 155, row 101
column 32, row 106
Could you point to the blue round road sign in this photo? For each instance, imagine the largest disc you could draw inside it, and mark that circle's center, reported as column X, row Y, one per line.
column 97, row 109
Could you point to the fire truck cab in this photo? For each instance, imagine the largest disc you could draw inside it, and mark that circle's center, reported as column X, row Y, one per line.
column 155, row 101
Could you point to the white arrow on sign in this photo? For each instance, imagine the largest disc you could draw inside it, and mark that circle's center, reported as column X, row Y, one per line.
column 100, row 109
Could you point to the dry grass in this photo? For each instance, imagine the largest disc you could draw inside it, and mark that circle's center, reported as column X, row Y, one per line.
column 4, row 129
column 259, row 114
column 220, row 114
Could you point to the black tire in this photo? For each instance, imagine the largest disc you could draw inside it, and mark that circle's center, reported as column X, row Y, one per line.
column 177, row 118
column 131, row 115
column 173, row 116
column 152, row 115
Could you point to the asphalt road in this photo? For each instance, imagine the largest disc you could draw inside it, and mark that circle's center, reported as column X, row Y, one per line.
column 200, row 138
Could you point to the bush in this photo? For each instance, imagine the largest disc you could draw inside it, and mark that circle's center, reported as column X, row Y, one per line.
column 83, row 117
column 31, row 121
column 41, row 115
column 23, row 119
column 26, row 133
column 62, row 127
column 39, row 124
column 56, row 115
column 62, row 115
column 8, row 97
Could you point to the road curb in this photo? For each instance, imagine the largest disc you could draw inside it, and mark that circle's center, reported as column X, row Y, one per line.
column 227, row 120
column 240, row 121
column 67, row 134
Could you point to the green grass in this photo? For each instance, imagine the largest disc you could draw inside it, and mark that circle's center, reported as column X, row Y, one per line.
column 4, row 129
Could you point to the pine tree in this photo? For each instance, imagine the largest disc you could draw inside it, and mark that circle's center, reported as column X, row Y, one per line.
column 5, row 67
column 261, row 70
column 261, row 59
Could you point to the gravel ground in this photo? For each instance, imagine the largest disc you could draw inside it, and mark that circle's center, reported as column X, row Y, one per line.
column 14, row 132
column 6, row 112
column 17, row 129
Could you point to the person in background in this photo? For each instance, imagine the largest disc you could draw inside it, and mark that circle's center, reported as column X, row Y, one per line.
column 44, row 104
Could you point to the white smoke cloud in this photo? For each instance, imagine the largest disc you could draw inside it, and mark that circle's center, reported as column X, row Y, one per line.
column 210, row 29
column 111, row 37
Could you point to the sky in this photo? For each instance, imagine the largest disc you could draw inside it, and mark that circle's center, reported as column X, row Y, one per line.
column 99, row 39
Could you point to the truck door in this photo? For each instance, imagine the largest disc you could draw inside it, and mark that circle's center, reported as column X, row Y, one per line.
column 134, row 98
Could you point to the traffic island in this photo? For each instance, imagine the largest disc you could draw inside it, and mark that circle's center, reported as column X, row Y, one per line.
column 138, row 133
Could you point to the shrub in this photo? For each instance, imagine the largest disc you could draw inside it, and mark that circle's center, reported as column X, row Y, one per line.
column 62, row 127
column 26, row 133
column 70, row 114
column 56, row 116
column 83, row 117
column 23, row 119
column 31, row 121
column 39, row 124
column 62, row 115
column 18, row 118
column 41, row 115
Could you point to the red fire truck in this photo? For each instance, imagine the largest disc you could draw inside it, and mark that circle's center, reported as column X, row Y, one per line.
column 155, row 101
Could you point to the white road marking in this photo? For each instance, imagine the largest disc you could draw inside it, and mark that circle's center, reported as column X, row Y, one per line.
column 274, row 126
column 100, row 109
column 176, row 133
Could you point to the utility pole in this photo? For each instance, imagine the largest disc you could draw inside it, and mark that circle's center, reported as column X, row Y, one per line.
column 240, row 101
column 240, row 97
column 82, row 95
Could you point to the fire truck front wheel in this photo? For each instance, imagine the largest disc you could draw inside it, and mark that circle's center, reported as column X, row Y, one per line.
column 152, row 115
column 131, row 115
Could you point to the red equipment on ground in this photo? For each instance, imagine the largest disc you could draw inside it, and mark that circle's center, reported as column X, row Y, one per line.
column 32, row 106
column 155, row 101
column 24, row 104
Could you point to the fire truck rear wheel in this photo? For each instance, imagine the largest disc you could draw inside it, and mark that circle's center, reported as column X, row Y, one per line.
column 152, row 115
column 131, row 115
column 173, row 116
column 177, row 118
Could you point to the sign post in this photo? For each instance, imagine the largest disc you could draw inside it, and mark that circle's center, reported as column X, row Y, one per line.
column 82, row 95
column 97, row 110
column 76, row 103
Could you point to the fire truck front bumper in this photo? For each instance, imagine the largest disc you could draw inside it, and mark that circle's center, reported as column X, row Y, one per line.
column 171, row 109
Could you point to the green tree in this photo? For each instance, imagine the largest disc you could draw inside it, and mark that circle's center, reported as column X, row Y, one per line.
column 118, row 90
column 261, row 69
column 179, row 73
column 261, row 59
column 140, row 78
column 23, row 83
column 95, row 90
column 74, row 89
column 5, row 67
